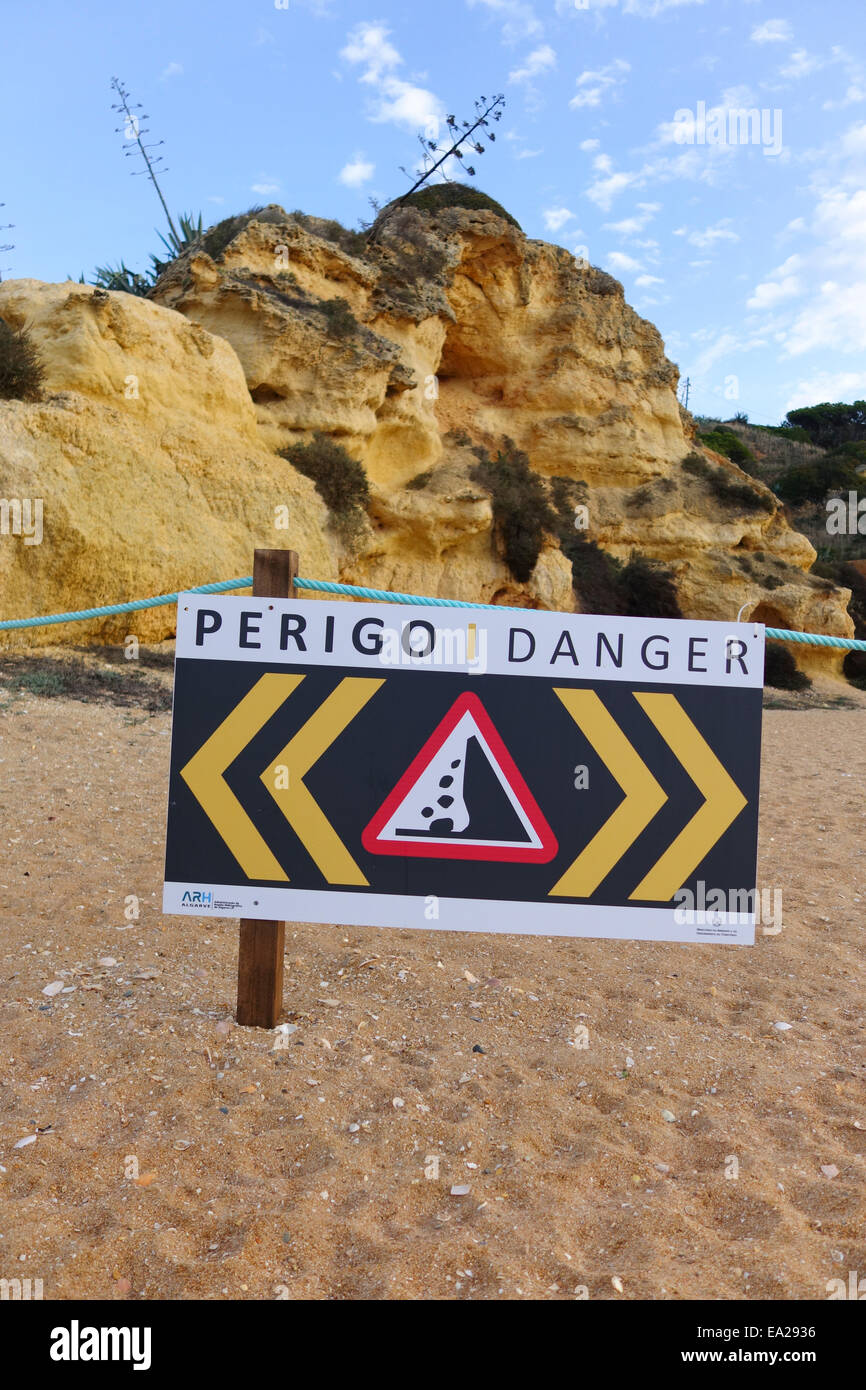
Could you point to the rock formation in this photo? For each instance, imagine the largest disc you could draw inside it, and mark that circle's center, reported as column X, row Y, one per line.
column 155, row 449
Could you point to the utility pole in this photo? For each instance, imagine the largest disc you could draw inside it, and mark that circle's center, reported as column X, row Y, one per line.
column 686, row 385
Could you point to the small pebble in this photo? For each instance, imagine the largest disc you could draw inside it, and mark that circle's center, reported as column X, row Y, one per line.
column 669, row 1116
column 460, row 1190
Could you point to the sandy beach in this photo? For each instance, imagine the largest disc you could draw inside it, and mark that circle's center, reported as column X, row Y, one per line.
column 430, row 1125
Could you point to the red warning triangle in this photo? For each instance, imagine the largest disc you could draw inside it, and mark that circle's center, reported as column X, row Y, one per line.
column 462, row 797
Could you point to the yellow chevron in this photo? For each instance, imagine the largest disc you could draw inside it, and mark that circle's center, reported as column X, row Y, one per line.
column 203, row 775
column 643, row 796
column 300, row 809
column 724, row 800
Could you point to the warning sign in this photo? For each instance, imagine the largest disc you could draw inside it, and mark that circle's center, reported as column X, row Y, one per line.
column 462, row 798
column 505, row 771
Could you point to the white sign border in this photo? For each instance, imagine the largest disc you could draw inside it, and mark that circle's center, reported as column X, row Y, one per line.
column 345, row 908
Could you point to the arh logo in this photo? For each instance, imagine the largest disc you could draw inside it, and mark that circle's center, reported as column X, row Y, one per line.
column 197, row 899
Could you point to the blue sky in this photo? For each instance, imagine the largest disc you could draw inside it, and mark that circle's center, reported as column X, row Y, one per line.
column 742, row 237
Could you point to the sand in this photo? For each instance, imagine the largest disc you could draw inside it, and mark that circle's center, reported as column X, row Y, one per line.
column 178, row 1156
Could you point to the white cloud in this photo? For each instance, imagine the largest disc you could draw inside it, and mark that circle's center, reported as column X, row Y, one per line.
column 519, row 20
column 368, row 44
column 620, row 261
column 264, row 188
column 650, row 9
column 800, row 64
column 593, row 85
column 831, row 314
column 358, row 171
column 396, row 100
column 630, row 226
column 647, row 281
column 540, row 60
column 604, row 190
column 721, row 231
column 644, row 9
column 555, row 218
column 772, row 31
column 828, row 386
column 856, row 88
column 528, row 154
column 589, row 145
column 173, row 70
column 772, row 292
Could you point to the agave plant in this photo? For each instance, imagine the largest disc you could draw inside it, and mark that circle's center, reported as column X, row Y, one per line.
column 110, row 277
column 120, row 277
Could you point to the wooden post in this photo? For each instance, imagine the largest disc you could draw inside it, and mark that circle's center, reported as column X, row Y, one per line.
column 261, row 945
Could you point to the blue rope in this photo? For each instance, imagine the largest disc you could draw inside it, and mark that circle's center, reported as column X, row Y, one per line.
column 219, row 588
column 815, row 639
column 324, row 586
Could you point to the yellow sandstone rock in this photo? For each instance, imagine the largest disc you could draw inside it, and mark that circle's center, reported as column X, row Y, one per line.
column 155, row 448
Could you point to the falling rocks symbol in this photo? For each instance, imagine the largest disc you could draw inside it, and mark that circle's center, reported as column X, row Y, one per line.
column 462, row 797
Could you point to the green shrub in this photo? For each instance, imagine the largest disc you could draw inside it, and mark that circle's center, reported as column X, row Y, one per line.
column 329, row 229
column 216, row 238
column 599, row 282
column 780, row 669
column 742, row 495
column 727, row 442
column 21, row 370
column 46, row 683
column 339, row 318
column 340, row 480
column 409, row 257
column 594, row 575
column 566, row 494
column 453, row 195
column 642, row 588
column 728, row 489
column 697, row 465
column 521, row 510
column 811, row 482
column 419, row 481
column 831, row 423
column 647, row 589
